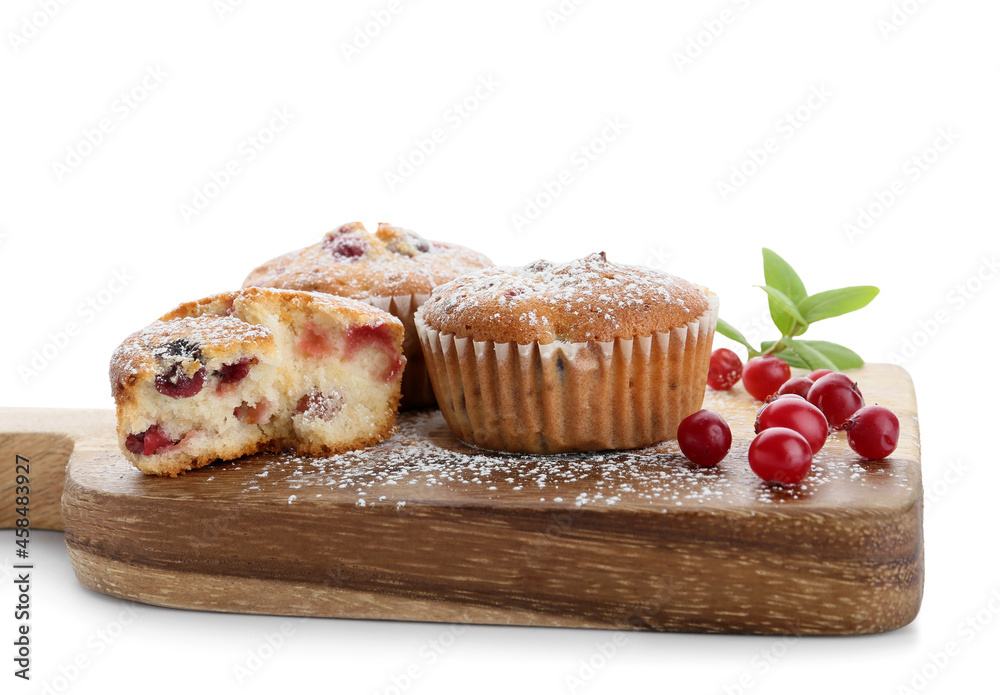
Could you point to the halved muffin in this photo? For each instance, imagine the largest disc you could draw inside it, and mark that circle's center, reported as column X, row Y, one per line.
column 256, row 370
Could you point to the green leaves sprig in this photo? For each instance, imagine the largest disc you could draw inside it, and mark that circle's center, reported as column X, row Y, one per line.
column 793, row 310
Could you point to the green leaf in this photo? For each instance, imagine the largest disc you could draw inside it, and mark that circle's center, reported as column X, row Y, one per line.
column 841, row 356
column 727, row 330
column 825, row 305
column 787, row 306
column 791, row 358
column 779, row 275
column 813, row 358
column 788, row 356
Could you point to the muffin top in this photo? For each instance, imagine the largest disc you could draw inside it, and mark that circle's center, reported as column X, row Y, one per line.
column 282, row 303
column 350, row 261
column 184, row 344
column 586, row 299
column 218, row 329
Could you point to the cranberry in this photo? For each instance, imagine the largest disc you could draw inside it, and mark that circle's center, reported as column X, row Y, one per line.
column 182, row 347
column 407, row 243
column 346, row 247
column 358, row 336
column 724, row 369
column 837, row 396
column 149, row 442
column 873, row 432
column 818, row 374
column 135, row 442
column 176, row 384
column 379, row 336
column 418, row 243
column 314, row 341
column 256, row 414
column 780, row 455
column 320, row 405
column 237, row 371
column 781, row 396
column 764, row 375
column 704, row 437
column 798, row 385
column 795, row 414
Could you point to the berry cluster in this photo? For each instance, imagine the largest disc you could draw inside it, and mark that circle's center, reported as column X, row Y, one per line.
column 797, row 417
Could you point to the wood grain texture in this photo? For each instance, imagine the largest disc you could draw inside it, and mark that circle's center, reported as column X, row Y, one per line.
column 46, row 437
column 425, row 528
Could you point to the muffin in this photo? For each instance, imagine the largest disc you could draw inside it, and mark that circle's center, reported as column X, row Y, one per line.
column 583, row 356
column 393, row 269
column 256, row 370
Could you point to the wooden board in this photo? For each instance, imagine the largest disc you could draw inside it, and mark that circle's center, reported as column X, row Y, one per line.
column 424, row 528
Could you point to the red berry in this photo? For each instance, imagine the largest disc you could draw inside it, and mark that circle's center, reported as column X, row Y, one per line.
column 798, row 386
column 415, row 243
column 819, row 373
column 724, row 369
column 795, row 414
column 176, row 384
column 315, row 341
column 257, row 414
column 873, row 432
column 182, row 347
column 764, row 375
column 149, row 442
column 135, row 442
column 837, row 396
column 237, row 371
column 780, row 455
column 781, row 396
column 378, row 336
column 704, row 437
column 346, row 247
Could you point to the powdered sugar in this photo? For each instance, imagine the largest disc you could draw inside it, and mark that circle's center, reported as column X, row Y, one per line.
column 585, row 299
column 181, row 338
column 578, row 286
column 423, row 465
column 353, row 262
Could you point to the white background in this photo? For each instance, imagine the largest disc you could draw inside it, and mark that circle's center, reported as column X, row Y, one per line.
column 651, row 195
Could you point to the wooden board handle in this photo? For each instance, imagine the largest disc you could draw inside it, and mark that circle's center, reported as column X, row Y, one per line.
column 37, row 443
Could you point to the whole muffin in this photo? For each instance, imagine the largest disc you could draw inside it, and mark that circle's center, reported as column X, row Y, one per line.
column 393, row 269
column 583, row 356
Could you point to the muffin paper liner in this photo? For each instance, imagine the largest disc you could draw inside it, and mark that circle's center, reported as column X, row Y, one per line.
column 417, row 390
column 562, row 397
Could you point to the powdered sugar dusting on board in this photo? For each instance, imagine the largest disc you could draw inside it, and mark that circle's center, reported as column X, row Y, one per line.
column 412, row 468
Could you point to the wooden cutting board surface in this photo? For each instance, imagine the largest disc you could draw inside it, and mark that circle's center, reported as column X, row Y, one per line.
column 423, row 527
